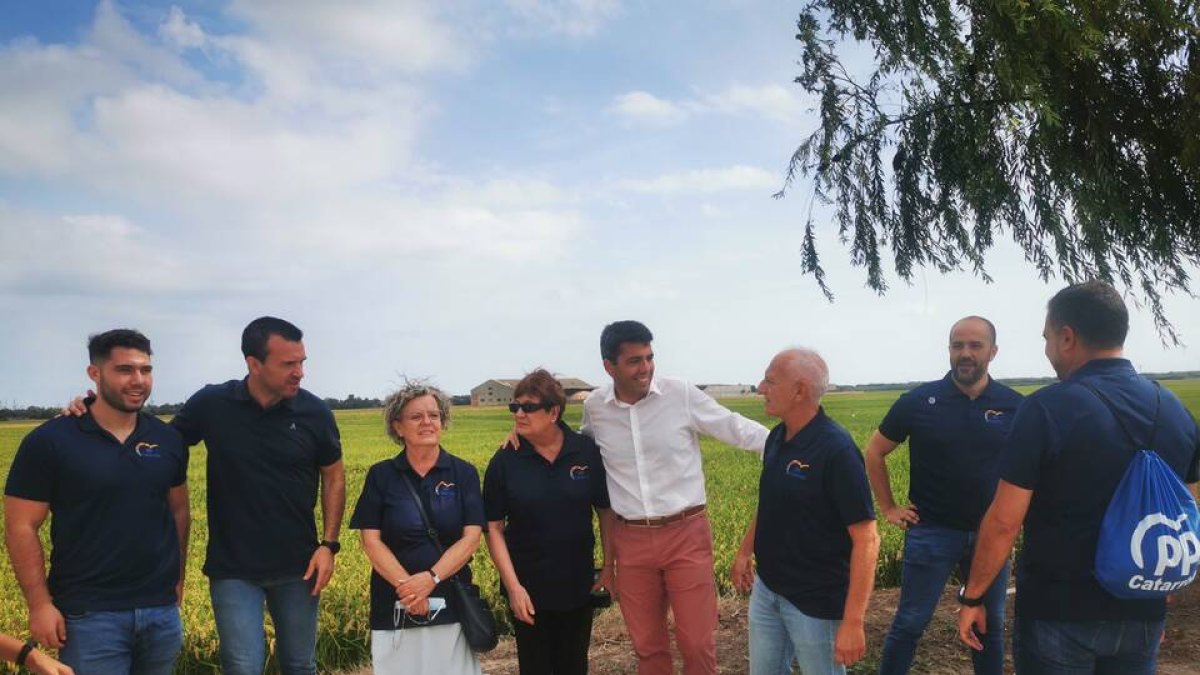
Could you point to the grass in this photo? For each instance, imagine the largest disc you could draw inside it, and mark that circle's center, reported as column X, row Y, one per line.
column 732, row 478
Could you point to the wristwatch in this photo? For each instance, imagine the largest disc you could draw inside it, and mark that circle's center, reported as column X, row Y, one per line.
column 333, row 546
column 968, row 602
column 436, row 579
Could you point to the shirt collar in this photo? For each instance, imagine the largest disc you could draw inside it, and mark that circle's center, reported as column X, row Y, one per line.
column 949, row 388
column 401, row 461
column 1103, row 367
column 809, row 430
column 241, row 392
column 87, row 424
column 610, row 396
column 569, row 446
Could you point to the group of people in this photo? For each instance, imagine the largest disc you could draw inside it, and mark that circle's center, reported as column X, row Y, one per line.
column 984, row 462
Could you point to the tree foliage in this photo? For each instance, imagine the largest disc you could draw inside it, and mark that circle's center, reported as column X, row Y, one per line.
column 1072, row 126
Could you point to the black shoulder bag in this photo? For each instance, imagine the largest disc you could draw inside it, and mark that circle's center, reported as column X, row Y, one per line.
column 474, row 614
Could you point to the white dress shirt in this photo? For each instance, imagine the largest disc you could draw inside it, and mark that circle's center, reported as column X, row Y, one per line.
column 651, row 449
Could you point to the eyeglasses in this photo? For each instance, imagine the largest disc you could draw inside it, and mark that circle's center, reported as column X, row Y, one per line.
column 527, row 407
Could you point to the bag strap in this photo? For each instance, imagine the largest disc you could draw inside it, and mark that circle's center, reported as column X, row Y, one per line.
column 1120, row 422
column 433, row 535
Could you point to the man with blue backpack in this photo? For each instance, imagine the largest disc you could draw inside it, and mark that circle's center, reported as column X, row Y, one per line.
column 1094, row 468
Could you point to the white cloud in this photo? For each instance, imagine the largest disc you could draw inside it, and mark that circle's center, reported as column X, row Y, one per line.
column 369, row 39
column 772, row 101
column 115, row 39
column 705, row 180
column 639, row 106
column 87, row 254
column 179, row 31
column 573, row 18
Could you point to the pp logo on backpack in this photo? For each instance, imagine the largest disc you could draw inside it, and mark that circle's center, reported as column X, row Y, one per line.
column 1149, row 543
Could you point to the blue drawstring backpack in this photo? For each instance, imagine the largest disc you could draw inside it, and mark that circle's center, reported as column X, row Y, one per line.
column 1149, row 543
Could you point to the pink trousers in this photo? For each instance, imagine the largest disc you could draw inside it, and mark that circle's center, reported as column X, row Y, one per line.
column 669, row 567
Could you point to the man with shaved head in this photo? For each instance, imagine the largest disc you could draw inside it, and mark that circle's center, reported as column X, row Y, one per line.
column 813, row 535
column 954, row 427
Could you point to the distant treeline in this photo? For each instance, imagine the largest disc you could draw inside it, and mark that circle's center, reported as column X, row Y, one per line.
column 353, row 402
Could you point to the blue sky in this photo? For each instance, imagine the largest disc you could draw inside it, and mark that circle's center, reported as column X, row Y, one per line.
column 458, row 190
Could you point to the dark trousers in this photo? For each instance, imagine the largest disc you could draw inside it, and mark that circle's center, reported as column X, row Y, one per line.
column 557, row 643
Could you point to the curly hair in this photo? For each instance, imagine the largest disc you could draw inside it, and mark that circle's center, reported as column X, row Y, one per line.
column 393, row 406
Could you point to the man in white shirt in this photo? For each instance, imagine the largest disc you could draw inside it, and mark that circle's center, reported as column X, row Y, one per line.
column 648, row 431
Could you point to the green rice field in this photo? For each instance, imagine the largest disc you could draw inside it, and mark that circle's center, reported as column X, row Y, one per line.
column 474, row 435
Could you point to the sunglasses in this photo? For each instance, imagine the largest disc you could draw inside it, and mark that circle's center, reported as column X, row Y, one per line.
column 527, row 407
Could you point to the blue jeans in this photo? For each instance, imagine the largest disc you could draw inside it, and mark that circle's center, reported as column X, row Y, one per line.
column 238, row 610
column 1086, row 647
column 780, row 633
column 129, row 642
column 931, row 553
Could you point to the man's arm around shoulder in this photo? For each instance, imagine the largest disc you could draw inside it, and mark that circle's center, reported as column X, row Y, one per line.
column 713, row 419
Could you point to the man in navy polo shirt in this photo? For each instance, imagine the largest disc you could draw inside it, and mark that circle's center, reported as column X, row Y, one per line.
column 955, row 428
column 270, row 443
column 1062, row 463
column 114, row 480
column 813, row 535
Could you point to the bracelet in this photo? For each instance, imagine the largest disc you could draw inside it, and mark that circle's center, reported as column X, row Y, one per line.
column 30, row 645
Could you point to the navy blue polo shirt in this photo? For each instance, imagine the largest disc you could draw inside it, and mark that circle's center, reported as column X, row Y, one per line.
column 954, row 446
column 1067, row 448
column 113, row 540
column 450, row 491
column 263, row 478
column 548, row 509
column 812, row 488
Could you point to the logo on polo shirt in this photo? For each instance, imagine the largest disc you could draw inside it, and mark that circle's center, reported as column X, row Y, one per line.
column 797, row 469
column 932, row 400
column 144, row 449
column 581, row 472
column 445, row 489
column 994, row 416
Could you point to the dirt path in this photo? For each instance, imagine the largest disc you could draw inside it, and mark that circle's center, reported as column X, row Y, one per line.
column 939, row 654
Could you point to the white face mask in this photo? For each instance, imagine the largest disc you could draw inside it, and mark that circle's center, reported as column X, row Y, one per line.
column 400, row 612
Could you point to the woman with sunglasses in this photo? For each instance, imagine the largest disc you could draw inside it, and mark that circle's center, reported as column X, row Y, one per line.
column 412, row 629
column 539, row 501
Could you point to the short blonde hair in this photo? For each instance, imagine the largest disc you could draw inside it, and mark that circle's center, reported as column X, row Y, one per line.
column 393, row 406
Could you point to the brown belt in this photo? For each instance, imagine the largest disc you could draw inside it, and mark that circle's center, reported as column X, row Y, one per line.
column 662, row 521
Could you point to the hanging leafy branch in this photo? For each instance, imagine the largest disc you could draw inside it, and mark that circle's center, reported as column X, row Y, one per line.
column 1071, row 126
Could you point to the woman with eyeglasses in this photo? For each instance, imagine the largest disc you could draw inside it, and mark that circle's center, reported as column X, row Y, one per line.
column 412, row 629
column 539, row 501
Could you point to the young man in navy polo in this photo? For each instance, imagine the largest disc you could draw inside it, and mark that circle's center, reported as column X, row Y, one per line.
column 955, row 428
column 813, row 535
column 271, row 445
column 1060, row 466
column 114, row 480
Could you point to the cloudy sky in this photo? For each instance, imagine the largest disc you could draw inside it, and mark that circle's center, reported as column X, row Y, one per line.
column 455, row 189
